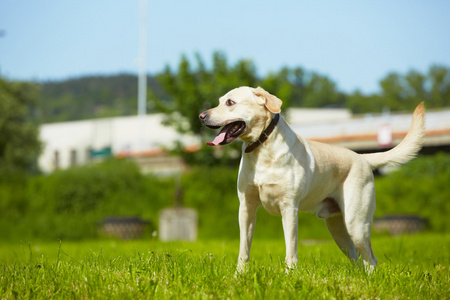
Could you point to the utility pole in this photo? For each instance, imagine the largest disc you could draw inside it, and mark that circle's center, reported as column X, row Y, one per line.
column 2, row 34
column 142, row 81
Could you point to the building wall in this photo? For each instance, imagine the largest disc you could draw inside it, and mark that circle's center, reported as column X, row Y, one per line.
column 72, row 143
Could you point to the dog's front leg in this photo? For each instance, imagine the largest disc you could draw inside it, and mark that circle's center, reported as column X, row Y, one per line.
column 289, row 216
column 247, row 221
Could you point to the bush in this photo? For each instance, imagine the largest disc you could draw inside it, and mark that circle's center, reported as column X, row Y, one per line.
column 420, row 188
column 213, row 192
column 68, row 204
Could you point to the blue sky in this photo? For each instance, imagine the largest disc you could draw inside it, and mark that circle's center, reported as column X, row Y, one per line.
column 355, row 43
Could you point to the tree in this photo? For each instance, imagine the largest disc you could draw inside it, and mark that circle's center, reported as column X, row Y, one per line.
column 195, row 89
column 439, row 77
column 287, row 84
column 19, row 143
column 393, row 91
column 416, row 87
column 321, row 91
column 404, row 92
column 359, row 103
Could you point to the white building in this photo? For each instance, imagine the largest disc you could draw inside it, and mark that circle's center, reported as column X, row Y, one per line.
column 76, row 143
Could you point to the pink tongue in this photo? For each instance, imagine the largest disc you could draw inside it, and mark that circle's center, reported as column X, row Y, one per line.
column 218, row 139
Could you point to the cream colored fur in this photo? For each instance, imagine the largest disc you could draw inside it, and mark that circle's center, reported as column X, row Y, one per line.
column 288, row 174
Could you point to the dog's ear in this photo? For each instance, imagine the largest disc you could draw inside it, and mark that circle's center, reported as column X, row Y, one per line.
column 272, row 103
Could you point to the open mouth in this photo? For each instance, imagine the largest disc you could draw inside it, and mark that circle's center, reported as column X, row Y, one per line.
column 228, row 133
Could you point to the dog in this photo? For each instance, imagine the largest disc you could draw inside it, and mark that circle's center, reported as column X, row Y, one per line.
column 286, row 173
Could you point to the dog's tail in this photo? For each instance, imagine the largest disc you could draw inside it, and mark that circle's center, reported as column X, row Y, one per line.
column 407, row 149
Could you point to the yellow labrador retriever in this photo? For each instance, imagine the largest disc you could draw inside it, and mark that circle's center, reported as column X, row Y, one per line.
column 286, row 174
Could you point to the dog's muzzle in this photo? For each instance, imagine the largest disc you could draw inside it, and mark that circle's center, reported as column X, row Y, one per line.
column 230, row 131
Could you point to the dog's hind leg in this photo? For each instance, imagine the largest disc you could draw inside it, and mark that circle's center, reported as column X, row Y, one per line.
column 358, row 217
column 330, row 211
column 336, row 227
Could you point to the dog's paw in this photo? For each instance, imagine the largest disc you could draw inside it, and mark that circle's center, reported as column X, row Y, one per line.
column 241, row 267
column 290, row 267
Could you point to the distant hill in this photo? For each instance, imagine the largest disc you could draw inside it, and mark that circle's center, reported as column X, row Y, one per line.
column 92, row 97
column 107, row 96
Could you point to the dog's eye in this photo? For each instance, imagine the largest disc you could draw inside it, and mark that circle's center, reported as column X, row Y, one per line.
column 230, row 102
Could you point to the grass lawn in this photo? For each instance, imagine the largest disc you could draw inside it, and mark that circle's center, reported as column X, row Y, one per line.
column 415, row 266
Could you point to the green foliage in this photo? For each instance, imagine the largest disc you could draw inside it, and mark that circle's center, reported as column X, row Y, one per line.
column 213, row 192
column 193, row 89
column 404, row 92
column 19, row 144
column 419, row 188
column 320, row 92
column 83, row 189
column 68, row 204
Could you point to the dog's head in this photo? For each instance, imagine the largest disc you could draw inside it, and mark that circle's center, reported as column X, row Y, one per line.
column 243, row 112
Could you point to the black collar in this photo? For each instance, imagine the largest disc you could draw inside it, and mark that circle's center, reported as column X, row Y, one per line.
column 263, row 137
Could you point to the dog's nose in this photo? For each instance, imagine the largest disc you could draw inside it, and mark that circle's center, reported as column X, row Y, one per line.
column 203, row 116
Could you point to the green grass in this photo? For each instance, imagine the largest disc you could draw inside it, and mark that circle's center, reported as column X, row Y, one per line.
column 409, row 267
